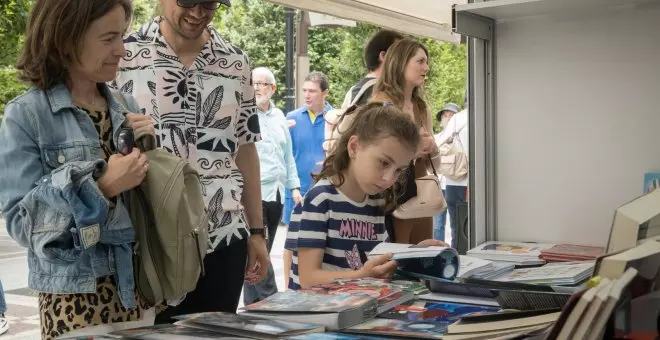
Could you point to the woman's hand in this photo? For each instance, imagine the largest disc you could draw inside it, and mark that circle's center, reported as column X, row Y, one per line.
column 140, row 124
column 426, row 144
column 123, row 173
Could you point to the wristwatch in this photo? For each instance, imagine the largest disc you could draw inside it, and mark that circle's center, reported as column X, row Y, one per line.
column 259, row 231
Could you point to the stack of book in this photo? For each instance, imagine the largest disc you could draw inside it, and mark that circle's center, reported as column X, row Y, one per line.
column 494, row 270
column 572, row 252
column 553, row 274
column 518, row 253
column 472, row 265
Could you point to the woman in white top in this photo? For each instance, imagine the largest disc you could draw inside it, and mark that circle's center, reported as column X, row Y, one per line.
column 455, row 191
column 439, row 220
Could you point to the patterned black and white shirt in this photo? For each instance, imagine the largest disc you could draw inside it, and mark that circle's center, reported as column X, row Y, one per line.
column 202, row 113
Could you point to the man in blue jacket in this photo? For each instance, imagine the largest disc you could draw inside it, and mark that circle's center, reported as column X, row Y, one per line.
column 307, row 134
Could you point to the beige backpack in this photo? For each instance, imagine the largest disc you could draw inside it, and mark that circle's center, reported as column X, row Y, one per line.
column 171, row 226
column 453, row 157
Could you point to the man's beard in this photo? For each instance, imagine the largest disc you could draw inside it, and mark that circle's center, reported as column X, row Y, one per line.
column 262, row 100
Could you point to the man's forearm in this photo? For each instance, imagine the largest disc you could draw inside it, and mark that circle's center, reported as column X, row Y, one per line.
column 247, row 161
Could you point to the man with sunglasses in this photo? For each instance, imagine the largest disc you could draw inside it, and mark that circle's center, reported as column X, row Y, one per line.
column 197, row 88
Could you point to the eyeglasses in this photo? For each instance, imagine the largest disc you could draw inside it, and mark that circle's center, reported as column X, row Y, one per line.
column 261, row 85
column 208, row 5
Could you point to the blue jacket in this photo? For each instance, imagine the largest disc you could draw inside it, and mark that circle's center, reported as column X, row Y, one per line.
column 50, row 159
column 307, row 141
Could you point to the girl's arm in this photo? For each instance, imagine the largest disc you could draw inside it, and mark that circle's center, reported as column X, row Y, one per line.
column 311, row 273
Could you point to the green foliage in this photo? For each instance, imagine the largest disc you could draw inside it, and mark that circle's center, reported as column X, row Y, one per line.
column 13, row 18
column 143, row 11
column 258, row 27
column 10, row 87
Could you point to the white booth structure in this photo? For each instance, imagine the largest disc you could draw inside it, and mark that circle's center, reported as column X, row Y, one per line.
column 564, row 101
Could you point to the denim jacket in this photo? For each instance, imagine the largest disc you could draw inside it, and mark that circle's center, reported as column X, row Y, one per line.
column 50, row 159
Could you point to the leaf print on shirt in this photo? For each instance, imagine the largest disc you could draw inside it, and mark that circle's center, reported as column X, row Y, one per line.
column 127, row 88
column 212, row 104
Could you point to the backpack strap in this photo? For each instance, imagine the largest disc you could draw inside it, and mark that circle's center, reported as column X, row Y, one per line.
column 369, row 84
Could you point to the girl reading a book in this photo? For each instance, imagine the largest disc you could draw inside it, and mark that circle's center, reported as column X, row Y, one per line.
column 342, row 216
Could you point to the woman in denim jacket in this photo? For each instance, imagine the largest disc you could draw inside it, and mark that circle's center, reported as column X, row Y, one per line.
column 60, row 177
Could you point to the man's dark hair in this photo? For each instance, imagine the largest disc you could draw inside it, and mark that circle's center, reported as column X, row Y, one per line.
column 379, row 42
column 320, row 78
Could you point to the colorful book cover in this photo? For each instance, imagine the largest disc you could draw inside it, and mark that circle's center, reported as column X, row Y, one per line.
column 573, row 250
column 412, row 286
column 435, row 311
column 399, row 328
column 651, row 181
column 292, row 301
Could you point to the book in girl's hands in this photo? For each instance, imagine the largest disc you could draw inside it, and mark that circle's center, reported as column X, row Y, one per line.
column 407, row 251
column 334, row 311
column 242, row 325
column 421, row 261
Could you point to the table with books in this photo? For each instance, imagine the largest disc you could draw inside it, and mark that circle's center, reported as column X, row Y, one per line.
column 500, row 290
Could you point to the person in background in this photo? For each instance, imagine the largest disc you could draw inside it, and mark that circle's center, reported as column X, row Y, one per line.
column 354, row 188
column 278, row 172
column 374, row 55
column 308, row 133
column 4, row 323
column 402, row 84
column 440, row 219
column 61, row 180
column 456, row 190
column 197, row 88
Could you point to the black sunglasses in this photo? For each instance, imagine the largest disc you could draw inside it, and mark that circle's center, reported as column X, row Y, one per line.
column 209, row 5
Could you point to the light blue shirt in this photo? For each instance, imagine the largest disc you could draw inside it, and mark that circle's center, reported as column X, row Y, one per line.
column 278, row 167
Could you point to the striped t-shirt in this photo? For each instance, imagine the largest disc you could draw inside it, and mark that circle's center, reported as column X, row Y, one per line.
column 328, row 219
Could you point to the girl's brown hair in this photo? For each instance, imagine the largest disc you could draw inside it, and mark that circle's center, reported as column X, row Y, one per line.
column 372, row 122
column 392, row 82
column 53, row 36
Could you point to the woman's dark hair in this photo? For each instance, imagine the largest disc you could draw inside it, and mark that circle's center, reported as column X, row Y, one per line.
column 54, row 34
column 372, row 122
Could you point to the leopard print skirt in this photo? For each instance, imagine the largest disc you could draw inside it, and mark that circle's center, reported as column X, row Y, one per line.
column 62, row 313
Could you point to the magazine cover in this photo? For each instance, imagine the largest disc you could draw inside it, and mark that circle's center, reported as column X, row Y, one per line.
column 510, row 248
column 435, row 311
column 651, row 181
column 399, row 328
column 291, row 301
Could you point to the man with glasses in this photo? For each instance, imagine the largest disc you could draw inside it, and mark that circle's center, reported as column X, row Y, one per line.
column 278, row 172
column 197, row 87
